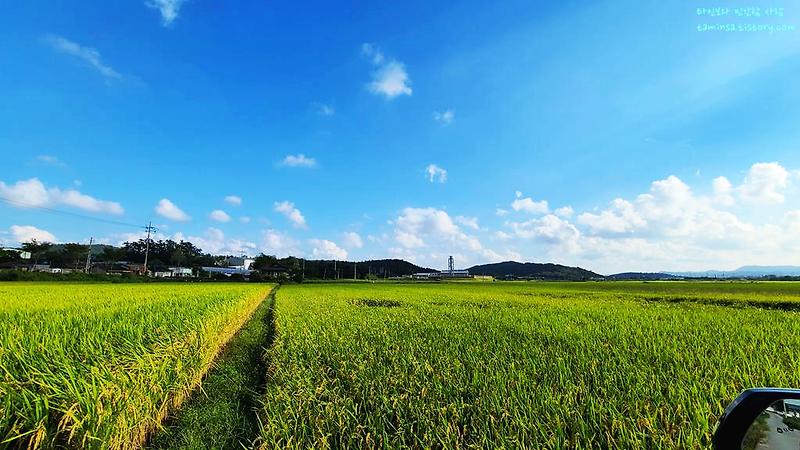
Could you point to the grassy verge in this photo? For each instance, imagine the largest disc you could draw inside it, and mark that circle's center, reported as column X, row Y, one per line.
column 222, row 415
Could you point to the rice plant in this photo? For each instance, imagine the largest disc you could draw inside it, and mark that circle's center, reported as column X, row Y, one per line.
column 99, row 366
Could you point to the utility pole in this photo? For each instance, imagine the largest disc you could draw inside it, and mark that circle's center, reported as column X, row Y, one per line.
column 304, row 269
column 336, row 274
column 149, row 229
column 89, row 256
column 355, row 270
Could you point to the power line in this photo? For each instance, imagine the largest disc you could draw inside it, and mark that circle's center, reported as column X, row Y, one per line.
column 66, row 214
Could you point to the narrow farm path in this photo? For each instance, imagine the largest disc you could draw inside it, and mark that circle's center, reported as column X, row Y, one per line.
column 222, row 414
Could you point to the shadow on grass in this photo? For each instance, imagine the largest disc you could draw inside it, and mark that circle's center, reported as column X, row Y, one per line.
column 223, row 413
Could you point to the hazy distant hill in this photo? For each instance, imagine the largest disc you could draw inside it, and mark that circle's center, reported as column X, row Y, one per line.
column 745, row 271
column 547, row 271
column 642, row 276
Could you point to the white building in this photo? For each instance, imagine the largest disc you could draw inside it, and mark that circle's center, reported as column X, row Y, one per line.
column 241, row 263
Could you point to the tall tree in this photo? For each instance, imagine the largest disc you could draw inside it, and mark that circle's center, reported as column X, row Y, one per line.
column 75, row 253
column 36, row 248
column 111, row 255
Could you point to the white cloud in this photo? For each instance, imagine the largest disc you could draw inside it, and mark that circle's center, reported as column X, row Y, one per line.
column 416, row 223
column 426, row 222
column 233, row 200
column 219, row 216
column 28, row 193
column 325, row 249
column 549, row 230
column 501, row 212
column 74, row 198
column 390, row 78
column 446, row 118
column 763, row 182
column 408, row 240
column 77, row 183
column 530, row 206
column 25, row 233
column 293, row 214
column 171, row 211
column 722, row 191
column 32, row 193
column 381, row 240
column 351, row 239
column 502, row 236
column 279, row 244
column 298, row 161
column 791, row 221
column 213, row 241
column 324, row 109
column 435, row 171
column 244, row 219
column 87, row 54
column 51, row 160
column 469, row 222
column 564, row 212
column 372, row 52
column 620, row 218
column 518, row 194
column 169, row 9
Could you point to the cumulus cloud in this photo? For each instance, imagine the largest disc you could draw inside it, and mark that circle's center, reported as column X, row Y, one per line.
column 549, row 230
column 293, row 214
column 762, row 183
column 169, row 9
column 33, row 193
column 233, row 200
column 244, row 219
column 502, row 236
column 528, row 205
column 414, row 224
column 390, row 77
column 351, row 239
column 219, row 216
column 722, row 191
column 325, row 249
column 435, row 172
column 621, row 217
column 469, row 222
column 564, row 212
column 426, row 222
column 26, row 233
column 279, row 243
column 298, row 161
column 166, row 208
column 214, row 241
column 501, row 212
column 408, row 240
column 88, row 55
column 445, row 118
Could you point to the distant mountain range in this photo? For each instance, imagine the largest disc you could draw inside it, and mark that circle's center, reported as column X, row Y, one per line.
column 546, row 271
column 642, row 276
column 745, row 271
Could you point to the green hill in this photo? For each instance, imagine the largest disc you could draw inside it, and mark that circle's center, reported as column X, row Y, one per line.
column 548, row 271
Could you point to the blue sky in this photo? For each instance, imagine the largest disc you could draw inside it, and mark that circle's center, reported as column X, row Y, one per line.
column 613, row 135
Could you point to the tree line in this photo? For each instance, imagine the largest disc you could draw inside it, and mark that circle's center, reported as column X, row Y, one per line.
column 163, row 253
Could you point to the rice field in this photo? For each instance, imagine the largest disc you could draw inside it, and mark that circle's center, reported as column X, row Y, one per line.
column 98, row 366
column 521, row 365
column 358, row 365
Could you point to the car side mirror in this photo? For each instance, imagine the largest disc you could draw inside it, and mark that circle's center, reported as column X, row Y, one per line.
column 764, row 418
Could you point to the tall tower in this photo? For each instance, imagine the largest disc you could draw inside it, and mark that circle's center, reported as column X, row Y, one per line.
column 451, row 265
